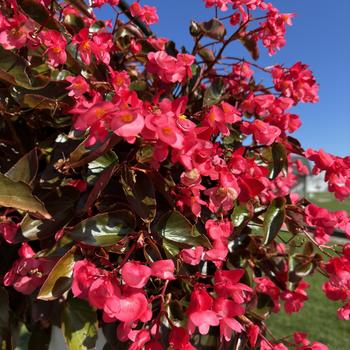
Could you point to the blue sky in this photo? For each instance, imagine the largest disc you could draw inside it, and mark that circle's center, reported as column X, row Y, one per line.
column 320, row 37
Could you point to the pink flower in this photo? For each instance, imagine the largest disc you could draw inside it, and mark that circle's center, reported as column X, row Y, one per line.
column 163, row 269
column 296, row 82
column 294, row 300
column 179, row 339
column 221, row 4
column 147, row 14
column 84, row 274
column 227, row 285
column 8, row 231
column 226, row 311
column 78, row 87
column 130, row 306
column 16, row 33
column 28, row 273
column 127, row 124
column 135, row 275
column 266, row 286
column 56, row 47
column 218, row 229
column 168, row 68
column 200, row 313
column 192, row 256
column 263, row 133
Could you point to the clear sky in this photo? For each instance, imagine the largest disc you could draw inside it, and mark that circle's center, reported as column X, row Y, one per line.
column 319, row 37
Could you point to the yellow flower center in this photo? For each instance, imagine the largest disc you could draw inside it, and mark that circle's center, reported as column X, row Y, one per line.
column 127, row 118
column 100, row 112
column 167, row 130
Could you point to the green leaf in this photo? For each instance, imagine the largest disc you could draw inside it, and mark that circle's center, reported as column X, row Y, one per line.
column 39, row 13
column 104, row 229
column 61, row 205
column 213, row 93
column 251, row 45
column 239, row 215
column 279, row 160
column 21, row 339
column 140, row 193
column 273, row 219
column 79, row 325
column 81, row 6
column 5, row 310
column 175, row 228
column 213, row 29
column 138, row 85
column 59, row 279
column 25, row 169
column 18, row 195
column 73, row 22
column 16, row 71
column 100, row 164
column 207, row 55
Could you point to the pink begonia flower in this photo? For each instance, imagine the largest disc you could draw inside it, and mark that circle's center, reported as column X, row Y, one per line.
column 221, row 4
column 266, row 286
column 218, row 229
column 56, row 47
column 192, row 256
column 147, row 14
column 226, row 311
column 99, row 3
column 16, row 32
column 163, row 269
column 127, row 124
column 168, row 68
column 296, row 82
column 130, row 306
column 135, row 275
column 8, row 231
column 179, row 339
column 302, row 343
column 200, row 312
column 264, row 345
column 84, row 274
column 227, row 285
column 263, row 133
column 78, row 87
column 253, row 333
column 294, row 300
column 28, row 273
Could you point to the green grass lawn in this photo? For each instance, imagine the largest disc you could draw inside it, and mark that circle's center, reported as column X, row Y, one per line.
column 317, row 318
column 328, row 201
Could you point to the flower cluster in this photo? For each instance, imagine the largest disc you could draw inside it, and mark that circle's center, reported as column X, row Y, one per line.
column 154, row 183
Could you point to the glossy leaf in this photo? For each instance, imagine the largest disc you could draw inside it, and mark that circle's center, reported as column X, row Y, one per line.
column 18, row 195
column 39, row 13
column 79, row 325
column 273, row 219
column 59, row 279
column 81, row 6
column 61, row 205
column 251, row 45
column 175, row 228
column 239, row 215
column 104, row 229
column 279, row 160
column 140, row 193
column 16, row 71
column 25, row 169
column 213, row 29
column 213, row 93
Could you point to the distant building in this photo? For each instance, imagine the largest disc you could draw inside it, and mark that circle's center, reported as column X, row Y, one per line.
column 311, row 184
